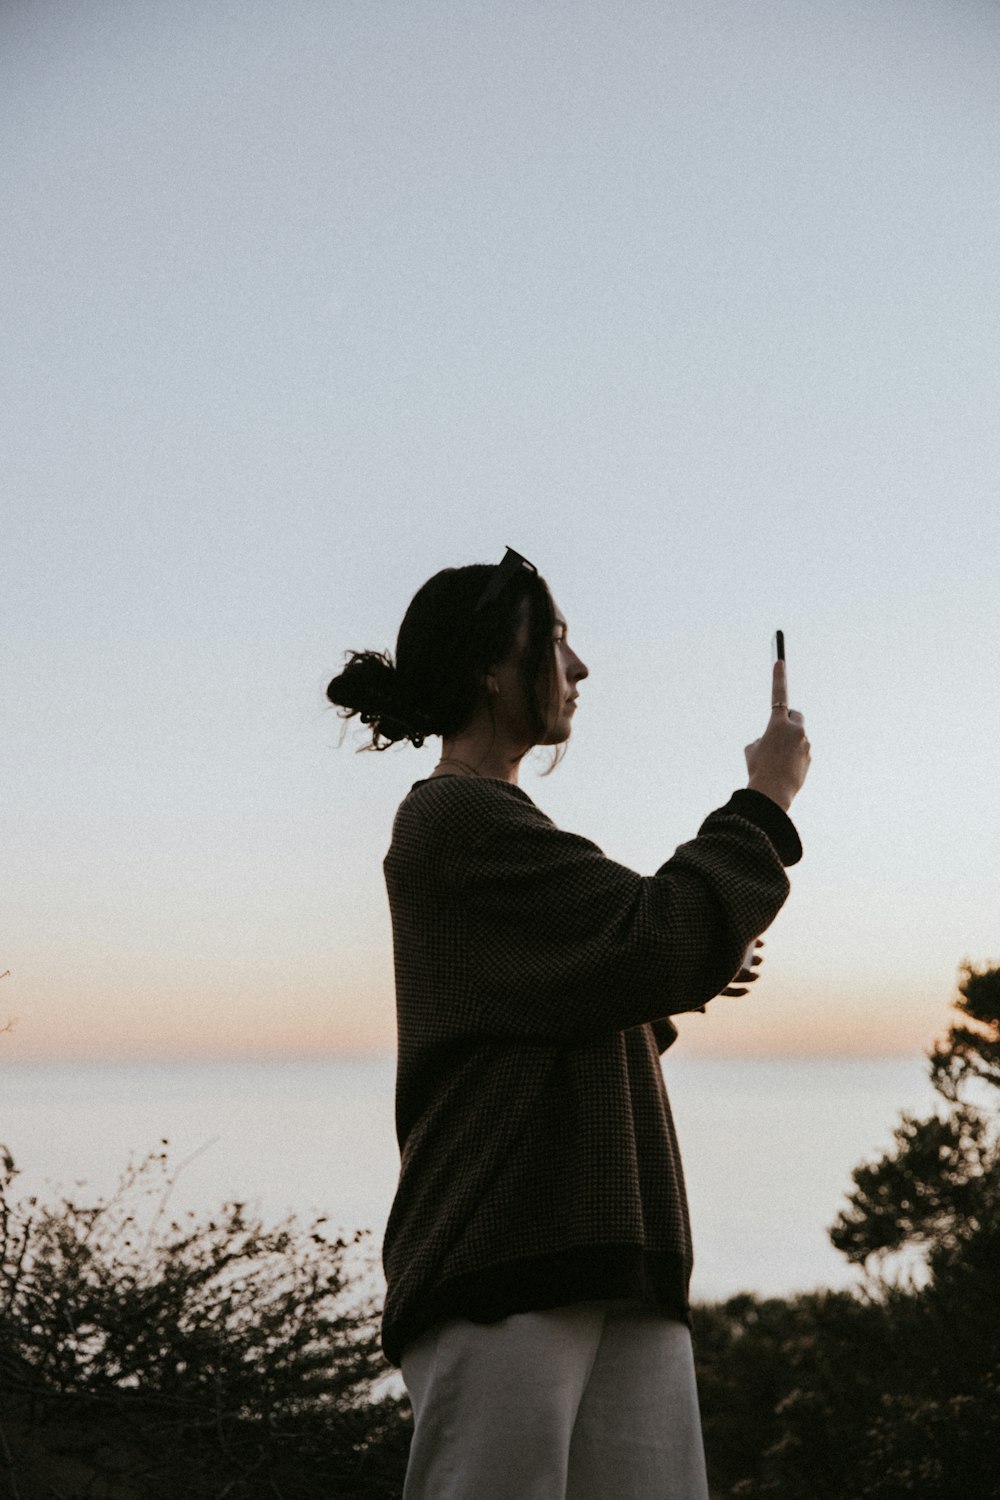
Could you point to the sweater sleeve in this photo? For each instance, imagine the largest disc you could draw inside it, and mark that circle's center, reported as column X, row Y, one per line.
column 566, row 944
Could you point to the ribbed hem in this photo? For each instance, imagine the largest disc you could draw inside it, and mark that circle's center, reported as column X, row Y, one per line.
column 590, row 1274
column 771, row 819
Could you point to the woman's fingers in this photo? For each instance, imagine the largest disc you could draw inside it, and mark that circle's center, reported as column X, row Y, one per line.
column 741, row 982
column 779, row 686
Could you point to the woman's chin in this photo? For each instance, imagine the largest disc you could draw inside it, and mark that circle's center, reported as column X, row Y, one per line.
column 560, row 732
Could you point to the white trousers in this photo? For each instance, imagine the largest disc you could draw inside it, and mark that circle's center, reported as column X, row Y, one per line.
column 596, row 1401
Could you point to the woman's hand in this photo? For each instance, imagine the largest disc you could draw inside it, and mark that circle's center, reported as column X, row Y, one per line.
column 779, row 760
column 745, row 978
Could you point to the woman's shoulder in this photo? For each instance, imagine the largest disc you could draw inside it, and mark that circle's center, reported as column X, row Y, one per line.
column 452, row 815
column 458, row 799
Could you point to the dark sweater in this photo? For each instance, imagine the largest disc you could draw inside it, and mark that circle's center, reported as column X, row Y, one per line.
column 534, row 978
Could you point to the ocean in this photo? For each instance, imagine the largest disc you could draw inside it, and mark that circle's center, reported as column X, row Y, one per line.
column 768, row 1145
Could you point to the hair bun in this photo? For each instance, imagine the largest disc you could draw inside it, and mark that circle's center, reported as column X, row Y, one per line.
column 369, row 687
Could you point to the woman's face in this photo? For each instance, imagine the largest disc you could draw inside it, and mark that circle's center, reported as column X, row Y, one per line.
column 568, row 671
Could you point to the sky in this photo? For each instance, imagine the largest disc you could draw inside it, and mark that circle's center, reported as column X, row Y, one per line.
column 694, row 304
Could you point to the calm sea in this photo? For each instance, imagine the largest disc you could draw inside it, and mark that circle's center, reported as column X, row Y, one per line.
column 768, row 1145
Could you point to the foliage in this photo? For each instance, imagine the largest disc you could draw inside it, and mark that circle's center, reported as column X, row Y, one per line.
column 894, row 1391
column 940, row 1186
column 166, row 1358
column 784, row 1386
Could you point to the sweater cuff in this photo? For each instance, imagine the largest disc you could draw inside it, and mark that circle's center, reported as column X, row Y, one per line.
column 771, row 819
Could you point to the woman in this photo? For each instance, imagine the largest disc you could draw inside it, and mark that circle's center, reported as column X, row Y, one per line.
column 538, row 1252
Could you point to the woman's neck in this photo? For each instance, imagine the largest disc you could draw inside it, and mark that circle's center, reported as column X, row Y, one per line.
column 476, row 755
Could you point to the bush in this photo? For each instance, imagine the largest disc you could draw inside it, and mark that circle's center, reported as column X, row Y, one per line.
column 150, row 1357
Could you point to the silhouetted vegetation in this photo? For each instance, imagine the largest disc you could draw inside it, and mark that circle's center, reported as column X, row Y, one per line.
column 894, row 1391
column 144, row 1358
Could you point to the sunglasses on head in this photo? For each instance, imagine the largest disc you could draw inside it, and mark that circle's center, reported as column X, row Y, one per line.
column 511, row 564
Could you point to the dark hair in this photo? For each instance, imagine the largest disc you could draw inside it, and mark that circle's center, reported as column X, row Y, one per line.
column 444, row 649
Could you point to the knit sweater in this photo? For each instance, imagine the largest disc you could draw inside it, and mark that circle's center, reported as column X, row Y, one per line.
column 534, row 979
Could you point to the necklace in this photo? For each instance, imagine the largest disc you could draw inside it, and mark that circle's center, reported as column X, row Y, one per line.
column 447, row 760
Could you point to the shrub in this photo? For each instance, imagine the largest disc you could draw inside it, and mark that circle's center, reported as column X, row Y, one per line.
column 188, row 1358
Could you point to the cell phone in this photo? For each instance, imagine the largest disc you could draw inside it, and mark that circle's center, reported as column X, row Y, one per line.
column 779, row 645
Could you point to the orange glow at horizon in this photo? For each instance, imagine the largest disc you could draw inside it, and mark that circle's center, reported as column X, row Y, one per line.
column 218, row 1021
column 788, row 1015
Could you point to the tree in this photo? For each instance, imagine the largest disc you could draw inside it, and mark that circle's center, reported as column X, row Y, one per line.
column 936, row 1195
column 937, row 1191
column 894, row 1391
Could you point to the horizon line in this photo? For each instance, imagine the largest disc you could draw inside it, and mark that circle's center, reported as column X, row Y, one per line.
column 388, row 1054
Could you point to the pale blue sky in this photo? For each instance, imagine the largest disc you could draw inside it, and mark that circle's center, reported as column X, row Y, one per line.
column 695, row 304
